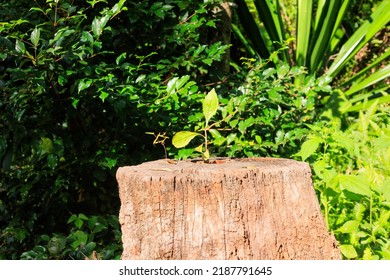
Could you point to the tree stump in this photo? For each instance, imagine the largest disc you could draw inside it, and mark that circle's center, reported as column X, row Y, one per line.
column 229, row 209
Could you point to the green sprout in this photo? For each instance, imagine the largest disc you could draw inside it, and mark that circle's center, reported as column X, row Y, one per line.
column 183, row 138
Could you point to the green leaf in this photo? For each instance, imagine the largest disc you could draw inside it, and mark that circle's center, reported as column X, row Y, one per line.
column 110, row 162
column 199, row 149
column 94, row 2
column 75, row 101
column 78, row 223
column 283, row 70
column 118, row 7
column 181, row 82
column 72, row 218
column 215, row 133
column 206, row 155
column 323, row 34
column 86, row 37
column 84, row 84
column 83, row 217
column 251, row 29
column 379, row 75
column 210, row 105
column 303, row 30
column 171, row 86
column 81, row 238
column 349, row 227
column 47, row 145
column 207, row 61
column 20, row 47
column 309, row 147
column 348, row 251
column 37, row 9
column 98, row 25
column 357, row 184
column 218, row 138
column 182, row 138
column 35, row 35
column 378, row 20
column 52, row 161
column 5, row 43
column 103, row 95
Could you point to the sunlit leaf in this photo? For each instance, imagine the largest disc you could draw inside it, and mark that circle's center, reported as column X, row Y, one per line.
column 348, row 251
column 355, row 184
column 210, row 105
column 379, row 75
column 182, row 138
column 35, row 35
column 182, row 81
column 98, row 25
column 84, row 84
column 303, row 30
column 103, row 95
column 349, row 227
column 171, row 86
column 378, row 19
column 206, row 155
column 20, row 47
column 309, row 147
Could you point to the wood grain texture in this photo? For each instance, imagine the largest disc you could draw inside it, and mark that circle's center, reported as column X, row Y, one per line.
column 260, row 208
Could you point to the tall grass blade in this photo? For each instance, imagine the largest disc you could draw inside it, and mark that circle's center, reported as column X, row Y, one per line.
column 376, row 77
column 376, row 62
column 304, row 18
column 270, row 16
column 243, row 40
column 360, row 37
column 337, row 33
column 325, row 31
column 251, row 29
column 364, row 105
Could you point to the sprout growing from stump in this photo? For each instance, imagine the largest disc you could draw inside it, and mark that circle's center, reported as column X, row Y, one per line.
column 183, row 138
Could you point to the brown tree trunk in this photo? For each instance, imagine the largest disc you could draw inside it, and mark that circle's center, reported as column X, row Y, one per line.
column 228, row 209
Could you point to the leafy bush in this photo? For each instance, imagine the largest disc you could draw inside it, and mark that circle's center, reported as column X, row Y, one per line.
column 351, row 172
column 79, row 82
column 265, row 116
column 82, row 83
column 96, row 237
column 326, row 41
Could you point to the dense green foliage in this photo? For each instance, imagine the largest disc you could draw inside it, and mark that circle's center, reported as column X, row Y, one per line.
column 80, row 84
column 84, row 86
column 323, row 41
column 351, row 175
column 264, row 116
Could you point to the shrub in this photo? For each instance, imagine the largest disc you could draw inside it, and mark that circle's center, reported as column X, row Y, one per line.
column 78, row 83
column 351, row 173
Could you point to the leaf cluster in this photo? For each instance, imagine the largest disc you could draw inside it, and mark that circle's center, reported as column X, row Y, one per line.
column 80, row 84
column 264, row 116
column 351, row 172
column 86, row 239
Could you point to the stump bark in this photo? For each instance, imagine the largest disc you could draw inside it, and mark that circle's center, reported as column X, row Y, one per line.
column 230, row 209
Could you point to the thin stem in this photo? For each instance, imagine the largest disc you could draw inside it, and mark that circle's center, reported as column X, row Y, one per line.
column 205, row 135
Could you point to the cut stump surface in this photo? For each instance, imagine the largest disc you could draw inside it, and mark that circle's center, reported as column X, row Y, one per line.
column 261, row 208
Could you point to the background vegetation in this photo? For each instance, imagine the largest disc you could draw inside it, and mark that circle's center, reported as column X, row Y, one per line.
column 88, row 86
